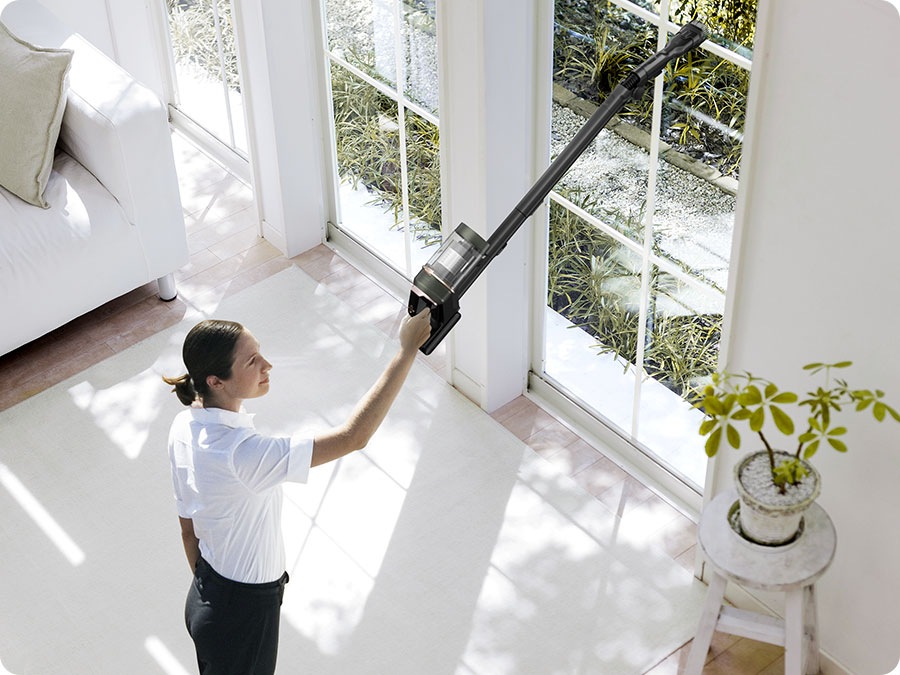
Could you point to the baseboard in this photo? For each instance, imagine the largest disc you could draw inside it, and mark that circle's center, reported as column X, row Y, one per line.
column 368, row 263
column 665, row 484
column 273, row 236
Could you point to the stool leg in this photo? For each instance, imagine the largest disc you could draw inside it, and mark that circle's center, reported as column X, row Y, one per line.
column 708, row 620
column 811, row 629
column 793, row 632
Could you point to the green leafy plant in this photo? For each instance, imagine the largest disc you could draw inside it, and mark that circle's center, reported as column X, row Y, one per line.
column 736, row 400
column 683, row 350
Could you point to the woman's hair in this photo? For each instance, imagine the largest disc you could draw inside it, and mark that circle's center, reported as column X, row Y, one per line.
column 208, row 350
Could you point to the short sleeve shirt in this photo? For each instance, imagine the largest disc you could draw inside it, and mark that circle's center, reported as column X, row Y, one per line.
column 228, row 481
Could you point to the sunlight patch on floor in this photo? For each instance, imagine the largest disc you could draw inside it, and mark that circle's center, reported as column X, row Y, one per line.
column 41, row 517
column 163, row 657
column 125, row 411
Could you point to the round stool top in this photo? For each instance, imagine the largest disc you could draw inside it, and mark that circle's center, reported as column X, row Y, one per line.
column 769, row 568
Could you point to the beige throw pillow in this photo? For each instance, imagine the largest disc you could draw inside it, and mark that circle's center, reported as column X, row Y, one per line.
column 32, row 102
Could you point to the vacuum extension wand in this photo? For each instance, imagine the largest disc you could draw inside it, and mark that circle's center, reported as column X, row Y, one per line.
column 464, row 255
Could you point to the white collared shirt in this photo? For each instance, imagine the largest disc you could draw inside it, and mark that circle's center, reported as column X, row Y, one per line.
column 228, row 482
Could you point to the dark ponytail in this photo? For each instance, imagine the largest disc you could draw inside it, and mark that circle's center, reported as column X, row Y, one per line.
column 208, row 350
column 183, row 388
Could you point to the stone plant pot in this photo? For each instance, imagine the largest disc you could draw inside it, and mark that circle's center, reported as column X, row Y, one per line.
column 766, row 516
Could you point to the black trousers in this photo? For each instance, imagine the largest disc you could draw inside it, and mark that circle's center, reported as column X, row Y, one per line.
column 234, row 626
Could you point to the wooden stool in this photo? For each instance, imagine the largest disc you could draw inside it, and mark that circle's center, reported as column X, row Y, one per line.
column 792, row 569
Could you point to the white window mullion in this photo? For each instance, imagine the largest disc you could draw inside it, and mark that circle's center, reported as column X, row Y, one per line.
column 220, row 45
column 400, row 70
column 649, row 212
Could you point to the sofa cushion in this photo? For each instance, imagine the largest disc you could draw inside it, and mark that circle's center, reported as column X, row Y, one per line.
column 60, row 262
column 31, row 109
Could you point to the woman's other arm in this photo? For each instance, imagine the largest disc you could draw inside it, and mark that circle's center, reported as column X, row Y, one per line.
column 190, row 541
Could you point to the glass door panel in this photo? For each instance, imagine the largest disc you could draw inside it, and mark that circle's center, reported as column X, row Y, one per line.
column 683, row 328
column 641, row 227
column 362, row 33
column 424, row 185
column 420, row 44
column 367, row 140
column 383, row 65
column 609, row 181
column 592, row 319
column 207, row 81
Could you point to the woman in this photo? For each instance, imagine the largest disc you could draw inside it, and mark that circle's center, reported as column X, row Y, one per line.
column 227, row 487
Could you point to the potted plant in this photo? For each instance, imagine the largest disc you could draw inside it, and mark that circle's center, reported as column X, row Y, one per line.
column 776, row 485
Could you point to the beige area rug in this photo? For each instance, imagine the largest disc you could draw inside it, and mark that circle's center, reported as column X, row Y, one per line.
column 447, row 546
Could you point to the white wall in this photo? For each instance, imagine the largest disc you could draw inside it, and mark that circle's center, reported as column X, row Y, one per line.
column 817, row 279
column 490, row 88
column 283, row 71
column 125, row 30
column 88, row 17
column 135, row 26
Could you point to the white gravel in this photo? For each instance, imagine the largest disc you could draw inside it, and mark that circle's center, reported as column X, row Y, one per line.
column 693, row 219
column 757, row 478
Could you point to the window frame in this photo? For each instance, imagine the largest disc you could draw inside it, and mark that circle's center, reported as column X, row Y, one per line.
column 375, row 263
column 625, row 446
column 224, row 151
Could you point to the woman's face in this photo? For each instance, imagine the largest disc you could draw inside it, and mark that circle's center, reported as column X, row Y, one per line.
column 249, row 374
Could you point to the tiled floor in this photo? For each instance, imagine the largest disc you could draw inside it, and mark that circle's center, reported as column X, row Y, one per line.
column 228, row 256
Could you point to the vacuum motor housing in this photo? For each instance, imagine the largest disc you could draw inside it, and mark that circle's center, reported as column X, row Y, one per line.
column 443, row 279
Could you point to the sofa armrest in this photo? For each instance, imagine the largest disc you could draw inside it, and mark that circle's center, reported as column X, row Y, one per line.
column 118, row 129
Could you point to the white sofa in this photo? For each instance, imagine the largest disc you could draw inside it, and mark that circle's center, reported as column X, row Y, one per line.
column 115, row 220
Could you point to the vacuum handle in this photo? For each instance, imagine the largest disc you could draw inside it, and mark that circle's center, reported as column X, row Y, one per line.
column 689, row 37
column 552, row 174
column 686, row 39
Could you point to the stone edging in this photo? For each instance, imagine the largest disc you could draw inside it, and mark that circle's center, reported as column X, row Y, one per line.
column 641, row 138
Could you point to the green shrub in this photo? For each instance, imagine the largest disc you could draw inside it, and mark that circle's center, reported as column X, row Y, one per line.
column 596, row 44
column 192, row 27
column 594, row 281
column 367, row 136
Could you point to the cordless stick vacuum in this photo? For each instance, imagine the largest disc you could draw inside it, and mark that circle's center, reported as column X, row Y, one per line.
column 464, row 255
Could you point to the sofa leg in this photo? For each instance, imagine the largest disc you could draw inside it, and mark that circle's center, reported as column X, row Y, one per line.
column 167, row 290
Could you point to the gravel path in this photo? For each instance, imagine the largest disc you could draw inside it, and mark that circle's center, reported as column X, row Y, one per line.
column 694, row 218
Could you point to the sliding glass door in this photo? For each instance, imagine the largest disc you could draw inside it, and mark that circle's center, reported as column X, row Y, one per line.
column 382, row 59
column 640, row 228
column 208, row 100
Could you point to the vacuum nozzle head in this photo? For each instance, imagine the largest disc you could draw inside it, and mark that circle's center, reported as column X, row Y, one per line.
column 687, row 39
